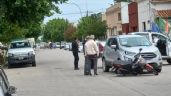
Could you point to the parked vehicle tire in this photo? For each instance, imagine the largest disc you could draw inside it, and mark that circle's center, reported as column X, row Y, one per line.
column 34, row 64
column 105, row 68
column 169, row 61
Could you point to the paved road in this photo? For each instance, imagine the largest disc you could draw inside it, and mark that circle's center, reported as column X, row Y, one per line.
column 54, row 76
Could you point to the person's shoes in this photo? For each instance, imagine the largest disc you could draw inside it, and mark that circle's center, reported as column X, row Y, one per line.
column 95, row 74
column 90, row 74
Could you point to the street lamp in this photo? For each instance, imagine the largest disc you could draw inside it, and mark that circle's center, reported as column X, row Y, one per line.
column 79, row 10
column 76, row 6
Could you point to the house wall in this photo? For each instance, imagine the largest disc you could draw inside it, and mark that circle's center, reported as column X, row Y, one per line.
column 162, row 6
column 114, row 25
column 146, row 12
column 143, row 15
column 112, row 18
column 103, row 17
column 133, row 17
column 124, row 12
column 125, row 28
column 109, row 20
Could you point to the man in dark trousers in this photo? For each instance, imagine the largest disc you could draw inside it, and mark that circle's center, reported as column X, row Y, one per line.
column 86, row 64
column 92, row 52
column 75, row 53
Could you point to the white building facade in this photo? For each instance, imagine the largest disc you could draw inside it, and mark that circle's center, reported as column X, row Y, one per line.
column 147, row 11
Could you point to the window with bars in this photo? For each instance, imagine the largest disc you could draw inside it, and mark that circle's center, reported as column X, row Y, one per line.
column 119, row 16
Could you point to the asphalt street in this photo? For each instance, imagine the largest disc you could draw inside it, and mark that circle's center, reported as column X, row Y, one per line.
column 54, row 76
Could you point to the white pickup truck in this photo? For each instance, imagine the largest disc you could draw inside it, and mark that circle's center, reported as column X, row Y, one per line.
column 21, row 52
column 161, row 41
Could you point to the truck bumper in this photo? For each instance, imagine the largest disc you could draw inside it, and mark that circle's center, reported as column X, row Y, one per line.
column 21, row 60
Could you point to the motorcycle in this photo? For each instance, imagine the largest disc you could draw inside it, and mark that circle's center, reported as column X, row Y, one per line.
column 134, row 67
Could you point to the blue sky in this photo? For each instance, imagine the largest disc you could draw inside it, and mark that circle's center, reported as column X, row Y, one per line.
column 71, row 12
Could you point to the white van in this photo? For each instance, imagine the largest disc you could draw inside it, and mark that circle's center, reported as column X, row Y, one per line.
column 161, row 41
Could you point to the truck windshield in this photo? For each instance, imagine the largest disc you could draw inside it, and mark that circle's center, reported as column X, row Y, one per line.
column 143, row 34
column 134, row 41
column 20, row 45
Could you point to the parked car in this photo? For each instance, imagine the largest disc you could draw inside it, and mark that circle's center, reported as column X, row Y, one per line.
column 20, row 52
column 125, row 47
column 80, row 49
column 161, row 41
column 70, row 46
column 57, row 44
column 5, row 88
column 42, row 45
column 62, row 44
column 66, row 46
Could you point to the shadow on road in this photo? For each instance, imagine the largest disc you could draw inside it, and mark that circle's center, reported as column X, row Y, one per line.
column 166, row 64
column 19, row 66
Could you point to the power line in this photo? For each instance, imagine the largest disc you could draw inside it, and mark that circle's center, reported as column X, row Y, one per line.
column 73, row 13
column 93, row 11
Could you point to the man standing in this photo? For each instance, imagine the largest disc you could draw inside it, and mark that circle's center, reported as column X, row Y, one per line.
column 86, row 64
column 75, row 53
column 92, row 52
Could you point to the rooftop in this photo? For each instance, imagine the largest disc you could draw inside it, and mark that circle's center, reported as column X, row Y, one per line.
column 164, row 13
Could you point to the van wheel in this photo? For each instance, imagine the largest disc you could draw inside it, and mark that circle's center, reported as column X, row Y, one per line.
column 169, row 61
column 105, row 68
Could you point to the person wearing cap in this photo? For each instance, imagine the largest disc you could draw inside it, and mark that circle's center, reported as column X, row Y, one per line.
column 86, row 64
column 92, row 52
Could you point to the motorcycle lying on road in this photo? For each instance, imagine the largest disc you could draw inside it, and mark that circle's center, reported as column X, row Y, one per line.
column 134, row 67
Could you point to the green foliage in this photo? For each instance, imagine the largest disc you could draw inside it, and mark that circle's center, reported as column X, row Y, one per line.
column 34, row 30
column 91, row 25
column 24, row 17
column 54, row 30
column 26, row 12
column 9, row 32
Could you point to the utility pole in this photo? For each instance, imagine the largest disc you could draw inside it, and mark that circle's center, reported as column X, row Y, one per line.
column 150, row 21
column 86, row 9
column 77, row 7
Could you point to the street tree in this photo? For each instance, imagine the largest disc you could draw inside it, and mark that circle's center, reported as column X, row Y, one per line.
column 91, row 25
column 26, row 12
column 54, row 30
column 34, row 30
column 23, row 14
column 11, row 32
column 70, row 33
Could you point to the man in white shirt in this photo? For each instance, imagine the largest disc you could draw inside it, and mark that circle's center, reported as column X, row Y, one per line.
column 92, row 52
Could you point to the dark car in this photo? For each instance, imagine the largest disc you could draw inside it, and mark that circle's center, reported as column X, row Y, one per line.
column 5, row 88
